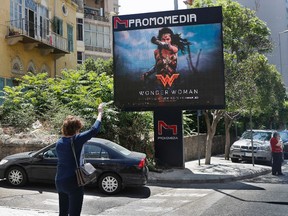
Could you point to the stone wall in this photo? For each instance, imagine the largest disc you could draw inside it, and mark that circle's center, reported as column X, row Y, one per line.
column 33, row 142
column 17, row 143
column 191, row 146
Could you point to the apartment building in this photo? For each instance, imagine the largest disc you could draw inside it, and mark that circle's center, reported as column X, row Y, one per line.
column 52, row 35
column 94, row 28
column 36, row 36
column 275, row 14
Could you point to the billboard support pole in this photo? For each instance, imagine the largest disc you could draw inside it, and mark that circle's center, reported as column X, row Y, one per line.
column 168, row 138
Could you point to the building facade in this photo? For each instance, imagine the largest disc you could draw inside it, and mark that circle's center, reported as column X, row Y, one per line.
column 94, row 28
column 36, row 36
column 52, row 35
column 275, row 14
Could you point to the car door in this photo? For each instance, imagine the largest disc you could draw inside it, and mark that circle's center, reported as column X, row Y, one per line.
column 43, row 166
column 99, row 157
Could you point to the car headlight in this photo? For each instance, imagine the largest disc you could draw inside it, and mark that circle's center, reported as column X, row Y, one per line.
column 234, row 147
column 264, row 148
column 3, row 161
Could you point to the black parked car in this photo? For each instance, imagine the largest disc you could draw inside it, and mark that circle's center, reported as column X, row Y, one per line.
column 117, row 167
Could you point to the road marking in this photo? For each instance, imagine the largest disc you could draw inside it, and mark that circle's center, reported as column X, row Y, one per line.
column 181, row 195
column 154, row 209
column 51, row 202
column 152, row 200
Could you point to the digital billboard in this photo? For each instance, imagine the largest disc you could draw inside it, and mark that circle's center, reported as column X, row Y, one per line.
column 171, row 59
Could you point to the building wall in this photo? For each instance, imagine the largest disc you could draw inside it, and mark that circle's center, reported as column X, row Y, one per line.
column 9, row 53
column 26, row 54
column 97, row 15
column 69, row 61
column 274, row 13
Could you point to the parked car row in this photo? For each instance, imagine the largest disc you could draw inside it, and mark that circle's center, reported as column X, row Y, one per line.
column 241, row 150
column 116, row 166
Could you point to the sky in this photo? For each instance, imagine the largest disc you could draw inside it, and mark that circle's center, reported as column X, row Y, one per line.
column 144, row 6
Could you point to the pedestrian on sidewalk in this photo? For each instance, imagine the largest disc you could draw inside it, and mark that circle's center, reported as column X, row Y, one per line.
column 277, row 151
column 69, row 193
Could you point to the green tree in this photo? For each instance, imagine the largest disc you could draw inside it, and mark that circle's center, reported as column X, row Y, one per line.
column 76, row 92
column 244, row 35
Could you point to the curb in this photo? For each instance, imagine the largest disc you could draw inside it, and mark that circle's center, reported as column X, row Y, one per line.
column 222, row 179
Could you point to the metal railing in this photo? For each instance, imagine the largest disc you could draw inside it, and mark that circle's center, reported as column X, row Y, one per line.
column 97, row 49
column 37, row 32
column 96, row 17
column 95, row 14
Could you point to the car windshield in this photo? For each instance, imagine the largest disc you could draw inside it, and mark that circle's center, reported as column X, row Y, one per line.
column 284, row 135
column 118, row 148
column 257, row 135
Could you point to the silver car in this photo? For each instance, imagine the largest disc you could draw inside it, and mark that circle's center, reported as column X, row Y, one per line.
column 242, row 148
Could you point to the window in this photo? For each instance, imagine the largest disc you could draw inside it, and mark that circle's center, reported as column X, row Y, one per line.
column 16, row 13
column 9, row 82
column 6, row 82
column 92, row 151
column 70, row 37
column 97, row 36
column 51, row 153
column 31, row 24
column 16, row 66
column 45, row 69
column 58, row 26
column 31, row 67
column 80, row 29
column 106, row 37
column 64, row 9
column 44, row 22
column 79, row 57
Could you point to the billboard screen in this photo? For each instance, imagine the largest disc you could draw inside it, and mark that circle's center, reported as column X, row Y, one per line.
column 170, row 59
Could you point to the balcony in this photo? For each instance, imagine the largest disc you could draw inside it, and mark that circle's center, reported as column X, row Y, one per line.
column 97, row 49
column 35, row 36
column 95, row 14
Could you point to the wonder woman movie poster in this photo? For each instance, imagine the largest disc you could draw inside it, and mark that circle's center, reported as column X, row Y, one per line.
column 170, row 59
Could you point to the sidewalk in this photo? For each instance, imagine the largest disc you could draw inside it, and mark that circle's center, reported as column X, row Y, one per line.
column 219, row 171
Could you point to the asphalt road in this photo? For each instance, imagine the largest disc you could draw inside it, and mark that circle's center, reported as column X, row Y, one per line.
column 264, row 195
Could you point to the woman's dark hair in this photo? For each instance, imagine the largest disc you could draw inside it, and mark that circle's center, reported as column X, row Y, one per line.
column 175, row 38
column 276, row 134
column 71, row 125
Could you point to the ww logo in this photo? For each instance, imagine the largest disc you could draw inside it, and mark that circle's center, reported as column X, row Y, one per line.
column 167, row 80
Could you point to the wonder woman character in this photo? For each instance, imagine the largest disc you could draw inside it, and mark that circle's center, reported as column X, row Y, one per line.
column 167, row 52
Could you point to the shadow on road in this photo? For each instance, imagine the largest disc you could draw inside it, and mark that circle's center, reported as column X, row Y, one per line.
column 252, row 201
column 39, row 188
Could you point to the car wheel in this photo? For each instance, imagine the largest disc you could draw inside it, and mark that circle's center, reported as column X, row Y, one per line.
column 235, row 160
column 16, row 176
column 110, row 183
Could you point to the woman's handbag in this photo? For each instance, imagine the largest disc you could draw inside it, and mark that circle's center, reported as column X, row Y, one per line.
column 85, row 173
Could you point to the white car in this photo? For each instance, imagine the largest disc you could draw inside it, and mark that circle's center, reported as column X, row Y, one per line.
column 242, row 148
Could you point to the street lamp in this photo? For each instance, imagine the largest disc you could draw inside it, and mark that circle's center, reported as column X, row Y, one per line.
column 285, row 31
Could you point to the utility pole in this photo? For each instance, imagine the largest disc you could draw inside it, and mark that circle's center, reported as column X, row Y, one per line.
column 175, row 4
